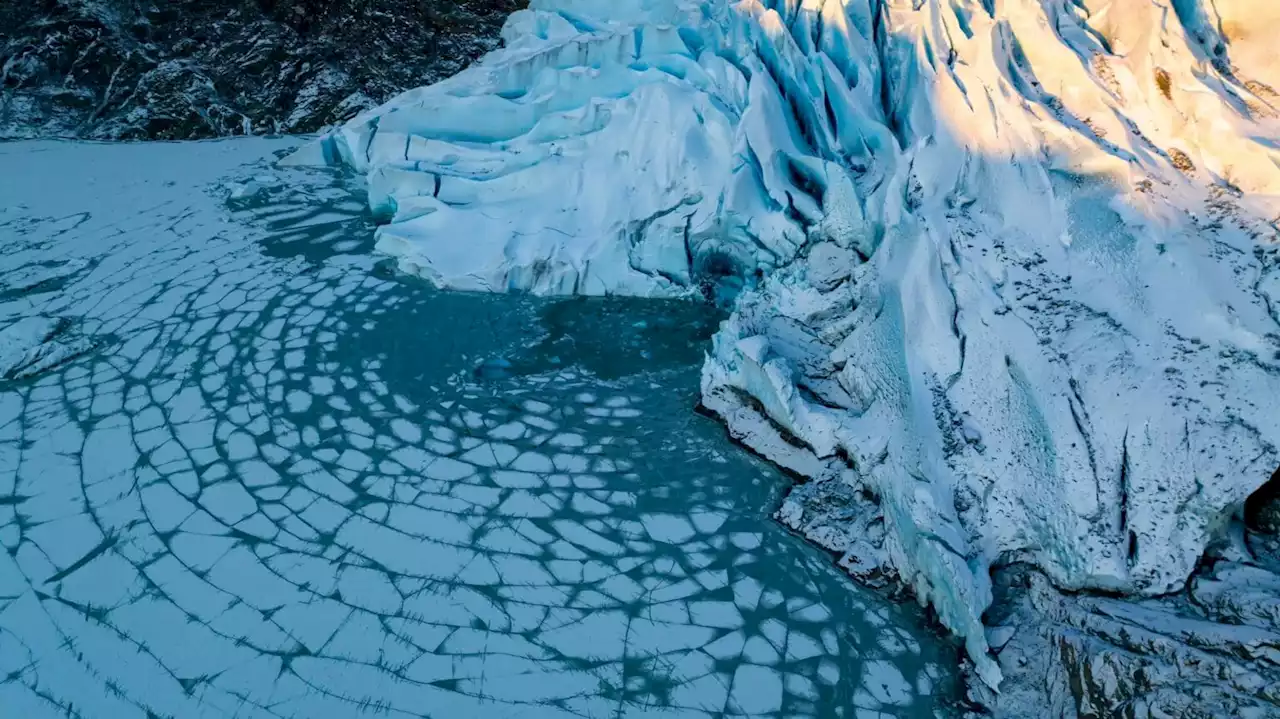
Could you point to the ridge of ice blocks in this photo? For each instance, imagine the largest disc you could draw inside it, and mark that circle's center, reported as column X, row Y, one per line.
column 31, row 345
column 1004, row 274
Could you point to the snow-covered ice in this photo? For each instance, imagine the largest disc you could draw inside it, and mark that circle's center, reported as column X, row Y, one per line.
column 31, row 345
column 1003, row 275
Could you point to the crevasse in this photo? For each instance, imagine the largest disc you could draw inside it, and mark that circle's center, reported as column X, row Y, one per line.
column 1003, row 274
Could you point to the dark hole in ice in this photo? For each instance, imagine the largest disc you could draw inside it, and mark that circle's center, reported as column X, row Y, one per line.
column 1262, row 509
column 805, row 181
column 718, row 264
column 719, row 277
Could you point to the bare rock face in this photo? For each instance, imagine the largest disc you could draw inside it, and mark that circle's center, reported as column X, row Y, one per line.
column 1262, row 510
column 1212, row 650
column 186, row 69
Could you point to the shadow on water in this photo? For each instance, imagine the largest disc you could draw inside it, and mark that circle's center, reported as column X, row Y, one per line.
column 315, row 214
column 353, row 495
column 613, row 337
column 629, row 522
column 621, row 536
column 595, row 396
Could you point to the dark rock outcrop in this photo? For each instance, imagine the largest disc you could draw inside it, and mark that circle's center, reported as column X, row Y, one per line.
column 186, row 69
column 1262, row 511
column 1211, row 650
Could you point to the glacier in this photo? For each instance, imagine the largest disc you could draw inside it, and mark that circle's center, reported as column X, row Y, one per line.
column 1004, row 274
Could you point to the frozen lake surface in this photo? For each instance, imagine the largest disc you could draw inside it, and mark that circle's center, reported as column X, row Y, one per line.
column 246, row 472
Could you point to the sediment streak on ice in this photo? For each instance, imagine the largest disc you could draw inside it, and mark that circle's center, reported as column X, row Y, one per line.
column 1008, row 271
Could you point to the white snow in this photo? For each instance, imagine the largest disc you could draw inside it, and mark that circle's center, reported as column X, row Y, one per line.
column 31, row 345
column 1009, row 267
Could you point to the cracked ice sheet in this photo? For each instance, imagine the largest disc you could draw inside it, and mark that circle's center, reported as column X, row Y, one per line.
column 277, row 489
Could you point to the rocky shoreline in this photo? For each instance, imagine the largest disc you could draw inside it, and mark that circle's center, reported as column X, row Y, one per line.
column 1211, row 649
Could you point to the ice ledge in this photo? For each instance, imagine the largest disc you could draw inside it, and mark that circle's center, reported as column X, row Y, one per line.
column 31, row 345
column 986, row 271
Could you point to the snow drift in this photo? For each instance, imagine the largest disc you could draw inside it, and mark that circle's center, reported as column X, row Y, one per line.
column 1004, row 273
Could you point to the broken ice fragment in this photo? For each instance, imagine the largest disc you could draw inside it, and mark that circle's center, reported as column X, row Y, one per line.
column 34, row 344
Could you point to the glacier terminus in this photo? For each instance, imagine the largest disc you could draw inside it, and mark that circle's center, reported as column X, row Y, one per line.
column 1003, row 275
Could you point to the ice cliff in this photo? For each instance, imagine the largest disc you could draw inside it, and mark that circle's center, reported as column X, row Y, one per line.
column 1005, row 273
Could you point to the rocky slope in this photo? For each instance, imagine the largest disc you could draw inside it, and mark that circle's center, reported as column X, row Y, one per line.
column 1210, row 650
column 185, row 69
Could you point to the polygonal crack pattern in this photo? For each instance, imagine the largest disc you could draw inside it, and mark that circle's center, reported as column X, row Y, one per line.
column 284, row 491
